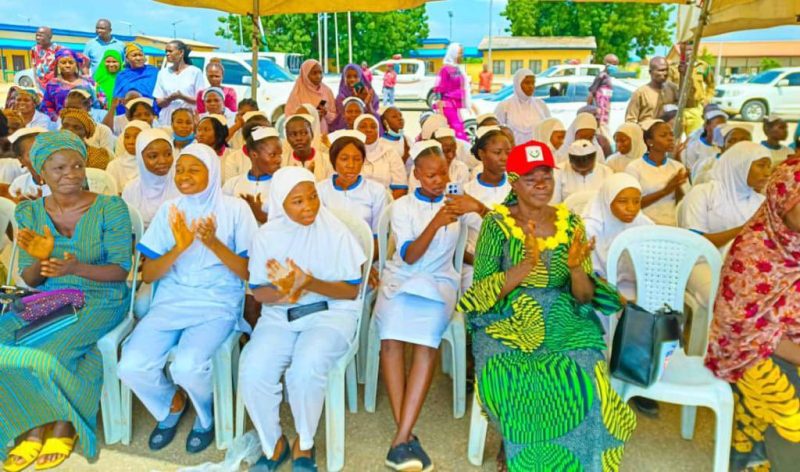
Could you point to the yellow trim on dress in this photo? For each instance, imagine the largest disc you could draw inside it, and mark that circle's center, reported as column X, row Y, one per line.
column 549, row 243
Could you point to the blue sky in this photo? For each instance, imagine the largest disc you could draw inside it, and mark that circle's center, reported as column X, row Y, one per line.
column 470, row 18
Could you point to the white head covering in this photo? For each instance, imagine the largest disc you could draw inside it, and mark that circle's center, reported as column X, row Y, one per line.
column 544, row 130
column 730, row 195
column 252, row 114
column 481, row 118
column 432, row 124
column 374, row 147
column 600, row 221
column 451, row 55
column 204, row 203
column 353, row 99
column 325, row 248
column 444, row 133
column 582, row 121
column 483, row 130
column 721, row 132
column 347, row 133
column 264, row 132
column 523, row 112
column 25, row 132
column 421, row 146
column 147, row 192
column 145, row 100
column 126, row 161
column 220, row 118
column 316, row 141
column 581, row 148
column 636, row 135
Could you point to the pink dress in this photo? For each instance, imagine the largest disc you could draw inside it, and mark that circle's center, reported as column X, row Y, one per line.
column 450, row 86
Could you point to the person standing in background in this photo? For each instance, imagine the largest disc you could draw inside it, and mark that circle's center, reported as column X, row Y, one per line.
column 601, row 90
column 366, row 72
column 389, row 83
column 451, row 87
column 95, row 48
column 647, row 102
column 43, row 56
column 177, row 85
column 485, row 80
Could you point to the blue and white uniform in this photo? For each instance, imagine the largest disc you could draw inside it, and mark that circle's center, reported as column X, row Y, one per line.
column 365, row 198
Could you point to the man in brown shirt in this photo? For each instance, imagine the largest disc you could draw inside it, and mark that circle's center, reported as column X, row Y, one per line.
column 648, row 101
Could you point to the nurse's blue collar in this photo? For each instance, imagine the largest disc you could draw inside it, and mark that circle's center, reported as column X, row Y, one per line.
column 390, row 137
column 262, row 178
column 647, row 159
column 485, row 184
column 421, row 197
column 769, row 146
column 355, row 184
column 704, row 140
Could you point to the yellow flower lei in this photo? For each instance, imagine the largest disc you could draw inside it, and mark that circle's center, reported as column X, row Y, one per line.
column 549, row 243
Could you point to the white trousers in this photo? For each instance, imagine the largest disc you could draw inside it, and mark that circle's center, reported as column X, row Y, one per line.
column 305, row 357
column 144, row 356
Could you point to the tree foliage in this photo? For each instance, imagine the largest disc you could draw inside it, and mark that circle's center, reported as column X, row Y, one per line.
column 376, row 36
column 619, row 28
column 768, row 63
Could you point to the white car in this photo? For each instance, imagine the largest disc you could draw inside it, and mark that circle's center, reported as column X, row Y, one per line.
column 413, row 80
column 564, row 96
column 566, row 70
column 776, row 91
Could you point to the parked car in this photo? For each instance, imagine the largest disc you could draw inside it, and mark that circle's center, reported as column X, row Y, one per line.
column 776, row 91
column 564, row 96
column 414, row 82
column 567, row 70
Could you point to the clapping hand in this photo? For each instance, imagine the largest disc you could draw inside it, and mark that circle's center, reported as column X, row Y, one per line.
column 290, row 280
column 531, row 245
column 38, row 246
column 256, row 206
column 59, row 267
column 184, row 237
column 205, row 229
column 579, row 250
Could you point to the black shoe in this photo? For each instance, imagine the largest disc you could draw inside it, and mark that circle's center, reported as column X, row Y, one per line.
column 416, row 448
column 162, row 437
column 403, row 459
column 269, row 465
column 198, row 441
column 305, row 464
column 646, row 406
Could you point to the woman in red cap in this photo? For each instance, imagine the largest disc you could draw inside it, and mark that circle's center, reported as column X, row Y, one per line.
column 540, row 369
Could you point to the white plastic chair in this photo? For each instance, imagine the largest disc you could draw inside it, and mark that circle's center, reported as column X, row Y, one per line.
column 7, row 209
column 101, row 182
column 454, row 340
column 663, row 258
column 344, row 371
column 110, row 400
column 223, row 364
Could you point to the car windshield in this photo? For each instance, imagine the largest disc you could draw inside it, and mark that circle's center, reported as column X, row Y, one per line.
column 764, row 77
column 272, row 72
column 547, row 72
column 501, row 94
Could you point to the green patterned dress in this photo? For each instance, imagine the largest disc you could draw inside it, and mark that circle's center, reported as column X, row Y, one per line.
column 541, row 373
column 61, row 378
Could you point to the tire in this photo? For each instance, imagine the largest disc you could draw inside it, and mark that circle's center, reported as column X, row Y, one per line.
column 25, row 81
column 471, row 128
column 754, row 110
column 432, row 99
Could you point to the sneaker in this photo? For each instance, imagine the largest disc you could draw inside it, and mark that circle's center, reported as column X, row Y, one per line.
column 416, row 448
column 403, row 459
column 646, row 406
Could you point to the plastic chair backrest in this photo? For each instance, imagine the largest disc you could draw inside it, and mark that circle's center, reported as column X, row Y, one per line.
column 680, row 215
column 578, row 201
column 663, row 258
column 7, row 208
column 101, row 181
column 137, row 226
column 385, row 230
column 363, row 234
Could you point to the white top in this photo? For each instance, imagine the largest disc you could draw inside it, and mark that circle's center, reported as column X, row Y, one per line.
column 778, row 155
column 520, row 112
column 464, row 154
column 384, row 166
column 10, row 169
column 235, row 163
column 618, row 162
column 103, row 138
column 697, row 151
column 572, row 182
column 188, row 82
column 246, row 184
column 459, row 173
column 23, row 185
column 489, row 195
column 41, row 120
column 653, row 179
column 365, row 198
column 397, row 144
column 319, row 164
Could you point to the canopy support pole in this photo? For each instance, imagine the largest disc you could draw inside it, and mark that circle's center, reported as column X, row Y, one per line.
column 319, row 37
column 325, row 42
column 349, row 39
column 336, row 38
column 256, row 23
column 686, row 80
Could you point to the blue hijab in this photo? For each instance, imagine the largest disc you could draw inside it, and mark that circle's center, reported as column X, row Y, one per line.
column 142, row 80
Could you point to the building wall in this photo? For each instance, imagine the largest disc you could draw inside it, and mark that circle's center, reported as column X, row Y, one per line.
column 752, row 65
column 504, row 60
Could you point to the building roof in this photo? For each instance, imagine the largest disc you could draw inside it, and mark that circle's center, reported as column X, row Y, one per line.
column 428, row 41
column 439, row 53
column 14, row 44
column 60, row 32
column 511, row 43
column 786, row 48
column 188, row 42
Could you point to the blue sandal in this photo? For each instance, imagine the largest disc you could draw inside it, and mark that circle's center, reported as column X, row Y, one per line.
column 305, row 464
column 268, row 465
column 162, row 436
column 198, row 441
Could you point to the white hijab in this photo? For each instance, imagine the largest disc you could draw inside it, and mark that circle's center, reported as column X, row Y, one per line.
column 127, row 161
column 636, row 135
column 523, row 112
column 600, row 221
column 206, row 202
column 325, row 248
column 147, row 192
column 730, row 195
column 315, row 126
column 432, row 124
column 582, row 121
column 544, row 131
column 375, row 149
column 451, row 55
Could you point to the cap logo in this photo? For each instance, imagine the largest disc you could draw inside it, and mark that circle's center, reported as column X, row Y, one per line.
column 534, row 154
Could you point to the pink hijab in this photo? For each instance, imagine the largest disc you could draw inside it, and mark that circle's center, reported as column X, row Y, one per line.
column 305, row 92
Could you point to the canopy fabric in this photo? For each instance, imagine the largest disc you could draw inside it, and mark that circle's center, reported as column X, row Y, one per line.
column 276, row 7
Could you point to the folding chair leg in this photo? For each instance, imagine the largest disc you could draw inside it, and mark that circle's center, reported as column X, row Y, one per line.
column 688, row 416
column 334, row 420
column 373, row 364
column 477, row 434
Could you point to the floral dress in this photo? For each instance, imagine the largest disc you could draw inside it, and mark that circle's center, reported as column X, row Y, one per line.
column 541, row 374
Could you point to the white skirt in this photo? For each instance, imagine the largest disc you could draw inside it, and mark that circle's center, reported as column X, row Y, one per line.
column 412, row 319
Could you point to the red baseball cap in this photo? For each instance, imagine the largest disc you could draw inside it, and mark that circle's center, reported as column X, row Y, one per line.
column 528, row 156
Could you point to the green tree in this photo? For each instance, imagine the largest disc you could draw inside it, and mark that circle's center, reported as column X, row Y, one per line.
column 768, row 63
column 618, row 28
column 376, row 36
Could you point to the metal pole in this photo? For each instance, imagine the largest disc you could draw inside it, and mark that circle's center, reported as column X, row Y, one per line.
column 254, row 82
column 349, row 39
column 325, row 42
column 336, row 39
column 686, row 80
column 489, row 56
column 319, row 36
column 241, row 34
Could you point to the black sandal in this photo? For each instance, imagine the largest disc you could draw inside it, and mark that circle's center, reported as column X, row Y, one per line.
column 198, row 441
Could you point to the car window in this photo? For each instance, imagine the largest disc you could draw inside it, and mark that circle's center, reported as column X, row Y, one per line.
column 408, row 68
column 557, row 92
column 269, row 71
column 794, row 79
column 234, row 72
column 764, row 77
column 542, row 91
column 198, row 62
column 620, row 94
column 579, row 91
column 589, row 71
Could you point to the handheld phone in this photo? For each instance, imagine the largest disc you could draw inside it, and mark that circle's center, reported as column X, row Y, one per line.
column 454, row 188
column 358, row 86
column 322, row 103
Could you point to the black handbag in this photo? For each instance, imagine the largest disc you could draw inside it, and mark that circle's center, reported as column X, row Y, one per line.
column 643, row 342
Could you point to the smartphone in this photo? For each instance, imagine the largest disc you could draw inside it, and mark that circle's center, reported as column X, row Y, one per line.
column 322, row 103
column 358, row 86
column 454, row 188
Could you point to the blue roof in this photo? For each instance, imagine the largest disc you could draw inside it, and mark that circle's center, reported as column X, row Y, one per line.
column 444, row 41
column 27, row 44
column 61, row 32
column 439, row 53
